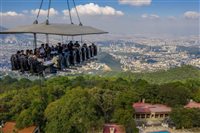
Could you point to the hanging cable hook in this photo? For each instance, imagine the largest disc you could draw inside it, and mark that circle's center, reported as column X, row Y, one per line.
column 36, row 21
column 70, row 16
column 77, row 13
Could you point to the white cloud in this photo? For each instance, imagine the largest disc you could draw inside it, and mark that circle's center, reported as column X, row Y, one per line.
column 136, row 2
column 191, row 15
column 43, row 12
column 171, row 18
column 25, row 11
column 144, row 16
column 150, row 16
column 11, row 14
column 94, row 9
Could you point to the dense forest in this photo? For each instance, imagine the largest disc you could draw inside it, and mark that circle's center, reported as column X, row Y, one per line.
column 80, row 104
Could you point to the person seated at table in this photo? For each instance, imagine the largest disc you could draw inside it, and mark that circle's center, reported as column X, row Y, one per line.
column 22, row 59
column 95, row 49
column 70, row 45
column 78, row 55
column 47, row 50
column 55, row 61
column 76, row 44
column 60, row 48
column 27, row 52
column 15, row 61
column 39, row 68
column 31, row 59
column 26, row 65
column 66, row 55
column 53, row 48
column 87, row 51
column 73, row 57
column 91, row 51
column 42, row 51
column 30, row 52
column 83, row 50
column 18, row 59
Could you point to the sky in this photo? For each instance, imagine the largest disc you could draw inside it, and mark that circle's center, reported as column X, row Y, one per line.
column 141, row 17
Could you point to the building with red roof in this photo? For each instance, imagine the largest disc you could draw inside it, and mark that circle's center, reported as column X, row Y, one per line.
column 9, row 127
column 192, row 104
column 113, row 128
column 146, row 110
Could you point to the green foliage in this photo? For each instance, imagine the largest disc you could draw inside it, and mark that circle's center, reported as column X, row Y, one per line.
column 183, row 74
column 75, row 112
column 80, row 104
column 174, row 94
column 25, row 119
column 185, row 118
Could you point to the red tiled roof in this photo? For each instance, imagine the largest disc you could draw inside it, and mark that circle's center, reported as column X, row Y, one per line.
column 117, row 128
column 9, row 127
column 141, row 107
column 192, row 104
column 28, row 130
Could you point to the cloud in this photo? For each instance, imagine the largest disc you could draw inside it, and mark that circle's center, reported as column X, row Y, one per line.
column 25, row 11
column 11, row 14
column 94, row 9
column 191, row 15
column 136, row 2
column 150, row 16
column 172, row 18
column 53, row 12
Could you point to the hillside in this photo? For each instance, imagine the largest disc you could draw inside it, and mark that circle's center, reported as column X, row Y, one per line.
column 109, row 61
column 175, row 74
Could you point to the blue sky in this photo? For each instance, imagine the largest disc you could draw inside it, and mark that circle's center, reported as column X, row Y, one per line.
column 165, row 7
column 175, row 17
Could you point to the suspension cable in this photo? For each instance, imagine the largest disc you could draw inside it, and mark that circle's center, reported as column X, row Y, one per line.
column 47, row 22
column 77, row 13
column 70, row 15
column 36, row 21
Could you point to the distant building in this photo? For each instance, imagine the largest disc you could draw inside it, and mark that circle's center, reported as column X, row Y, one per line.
column 192, row 104
column 9, row 127
column 150, row 111
column 113, row 128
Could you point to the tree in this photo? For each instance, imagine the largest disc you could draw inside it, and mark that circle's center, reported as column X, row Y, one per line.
column 196, row 95
column 182, row 117
column 25, row 119
column 174, row 94
column 104, row 102
column 75, row 112
column 123, row 113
